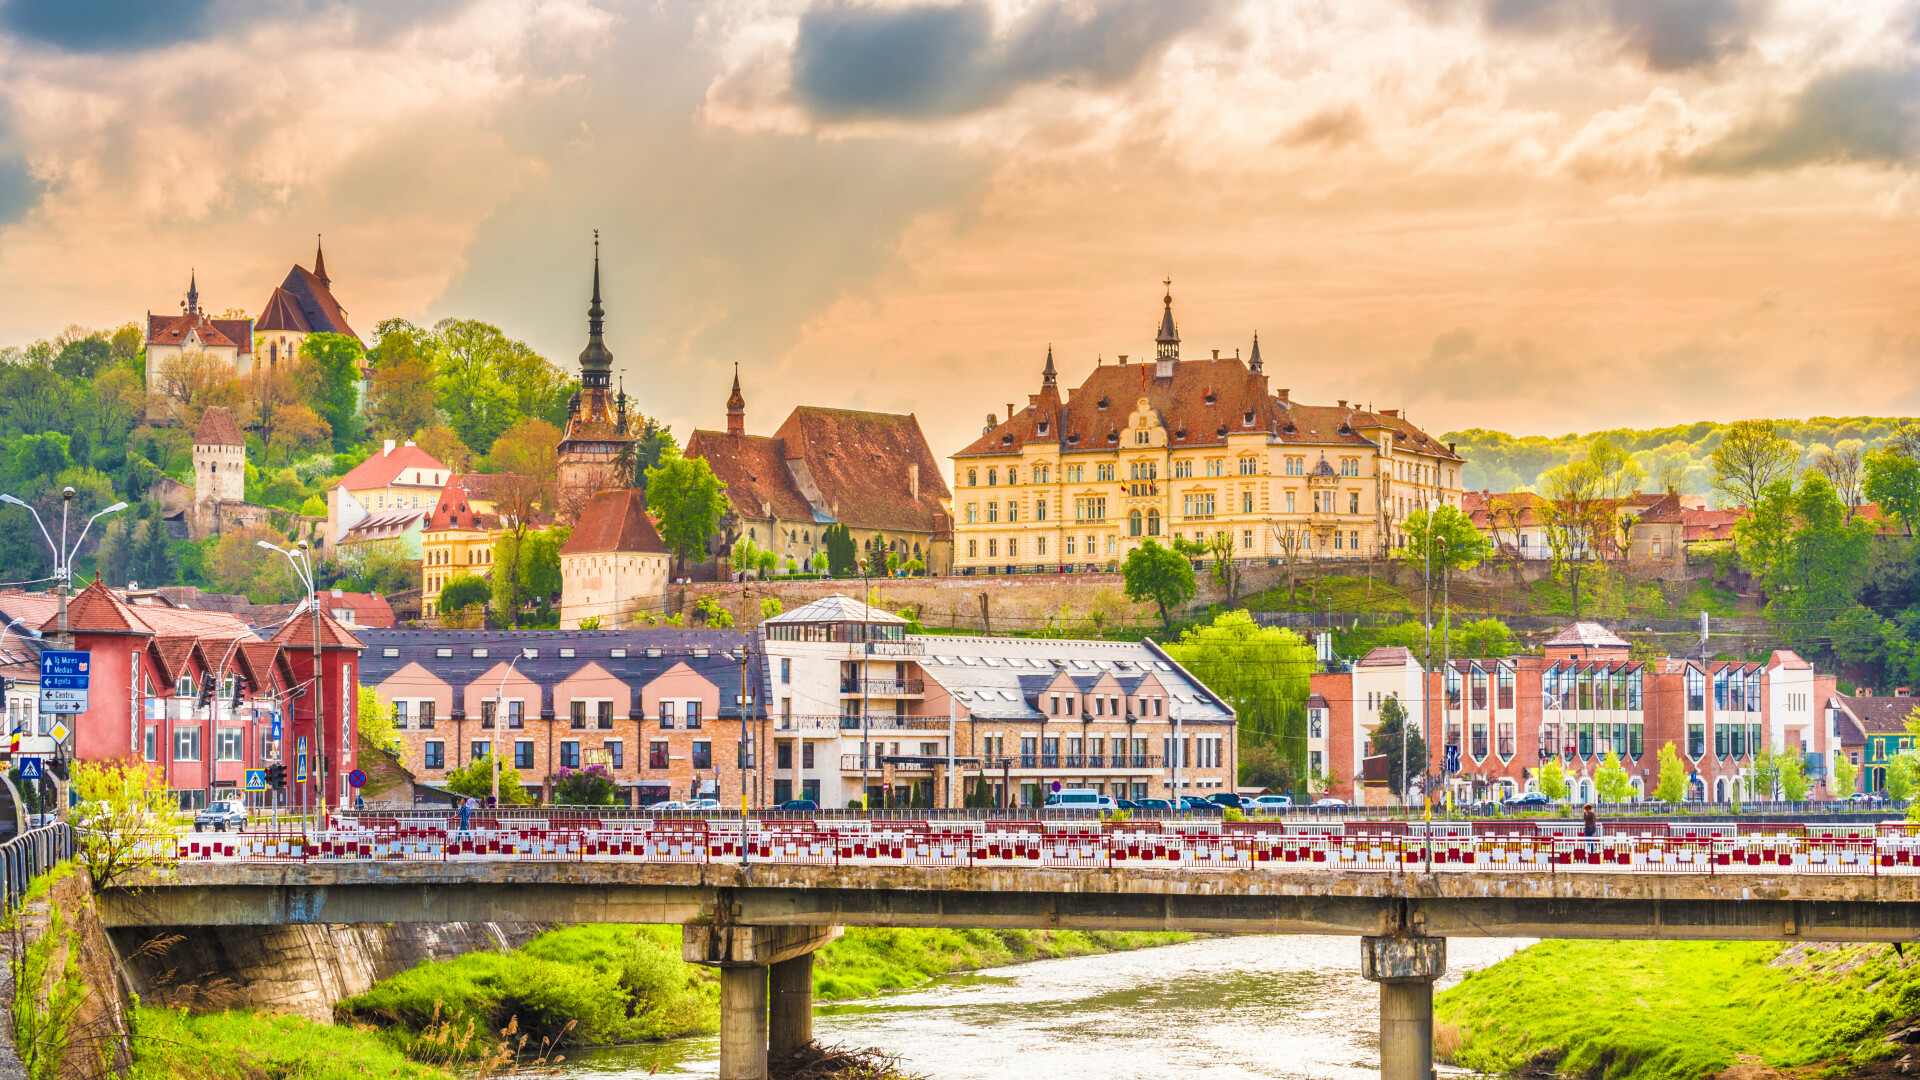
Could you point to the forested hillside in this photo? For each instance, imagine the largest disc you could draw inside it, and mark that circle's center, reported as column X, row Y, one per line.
column 1671, row 456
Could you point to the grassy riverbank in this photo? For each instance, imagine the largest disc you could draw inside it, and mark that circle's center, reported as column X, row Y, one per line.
column 581, row 985
column 1676, row 1010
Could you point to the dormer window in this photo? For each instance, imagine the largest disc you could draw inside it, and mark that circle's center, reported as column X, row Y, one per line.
column 1104, row 402
column 1289, row 429
column 1246, row 418
column 1212, row 398
column 1044, row 425
column 1180, row 434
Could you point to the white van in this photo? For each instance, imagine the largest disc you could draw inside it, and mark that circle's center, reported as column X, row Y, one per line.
column 1080, row 799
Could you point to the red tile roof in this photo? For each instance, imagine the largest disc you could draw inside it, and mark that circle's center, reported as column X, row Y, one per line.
column 218, row 626
column 218, row 429
column 367, row 609
column 858, row 463
column 615, row 521
column 212, row 333
column 1587, row 634
column 1698, row 523
column 304, row 304
column 95, row 610
column 298, row 633
column 387, row 467
column 1878, row 715
column 452, row 512
column 754, row 470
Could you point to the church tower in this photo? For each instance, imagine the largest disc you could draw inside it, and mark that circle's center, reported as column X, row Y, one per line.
column 597, row 434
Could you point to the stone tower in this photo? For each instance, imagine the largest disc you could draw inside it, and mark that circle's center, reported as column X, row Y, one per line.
column 219, row 460
column 597, row 431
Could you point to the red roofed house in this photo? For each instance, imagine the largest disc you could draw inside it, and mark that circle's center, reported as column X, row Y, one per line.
column 615, row 565
column 870, row 471
column 359, row 609
column 173, row 339
column 147, row 669
column 302, row 305
column 402, row 477
column 1517, row 524
column 1188, row 449
column 456, row 539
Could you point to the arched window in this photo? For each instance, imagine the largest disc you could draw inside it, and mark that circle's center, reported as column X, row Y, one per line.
column 1153, row 523
column 993, row 477
column 1133, row 523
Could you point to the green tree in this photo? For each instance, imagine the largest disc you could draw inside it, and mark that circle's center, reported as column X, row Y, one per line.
column 1611, row 780
column 153, row 562
column 462, row 591
column 687, row 500
column 377, row 730
column 1160, row 576
column 654, row 447
column 1263, row 672
column 1397, row 739
column 770, row 606
column 1793, row 777
column 1672, row 785
column 1263, row 765
column 1763, row 776
column 123, row 821
column 820, row 562
column 526, row 569
column 1484, row 638
column 1455, row 543
column 1893, row 481
column 330, row 382
column 1553, row 781
column 1845, row 773
column 1811, row 559
column 843, row 556
column 1901, row 775
column 1751, row 457
column 475, row 780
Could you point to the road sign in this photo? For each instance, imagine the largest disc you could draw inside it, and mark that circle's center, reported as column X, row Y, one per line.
column 59, row 732
column 223, row 783
column 1055, row 786
column 62, row 701
column 63, row 682
column 256, row 779
column 357, row 778
column 29, row 768
column 64, row 663
column 300, row 763
column 275, row 733
column 1453, row 757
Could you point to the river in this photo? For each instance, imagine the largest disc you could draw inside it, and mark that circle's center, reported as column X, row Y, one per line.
column 1226, row 1008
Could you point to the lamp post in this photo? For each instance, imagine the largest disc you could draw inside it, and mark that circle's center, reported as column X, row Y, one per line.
column 301, row 559
column 62, row 554
column 499, row 720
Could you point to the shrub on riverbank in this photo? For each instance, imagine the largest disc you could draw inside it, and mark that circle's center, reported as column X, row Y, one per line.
column 1668, row 1010
column 593, row 984
column 866, row 960
column 242, row 1045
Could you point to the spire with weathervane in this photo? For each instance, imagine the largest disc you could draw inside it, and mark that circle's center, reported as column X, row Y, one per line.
column 192, row 305
column 1253, row 362
column 320, row 262
column 596, row 363
column 1167, row 344
column 598, row 436
column 736, row 407
column 1049, row 377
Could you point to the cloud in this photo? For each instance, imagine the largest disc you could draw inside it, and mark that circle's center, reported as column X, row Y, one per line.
column 941, row 60
column 1862, row 114
column 18, row 192
column 1665, row 35
column 106, row 25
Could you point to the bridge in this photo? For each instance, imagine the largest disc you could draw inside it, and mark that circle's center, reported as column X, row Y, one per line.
column 756, row 899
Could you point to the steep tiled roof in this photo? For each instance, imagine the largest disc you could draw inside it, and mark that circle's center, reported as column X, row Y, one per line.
column 453, row 512
column 1588, row 634
column 1787, row 658
column 298, row 633
column 1878, row 715
column 1663, row 511
column 1530, row 509
column 615, row 521
column 202, row 625
column 859, row 462
column 1699, row 523
column 366, row 609
column 1200, row 404
column 95, row 610
column 754, row 470
column 218, row 429
column 213, row 333
column 305, row 304
column 386, row 467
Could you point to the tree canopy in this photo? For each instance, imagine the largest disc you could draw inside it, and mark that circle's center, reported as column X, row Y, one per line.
column 1159, row 576
column 1262, row 672
column 688, row 500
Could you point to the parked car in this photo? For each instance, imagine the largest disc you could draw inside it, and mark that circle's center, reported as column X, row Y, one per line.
column 799, row 804
column 1152, row 804
column 1866, row 798
column 1330, row 802
column 221, row 814
column 1126, row 804
column 669, row 807
column 1229, row 798
column 1273, row 802
column 703, row 804
column 1529, row 800
column 1080, row 799
column 1195, row 802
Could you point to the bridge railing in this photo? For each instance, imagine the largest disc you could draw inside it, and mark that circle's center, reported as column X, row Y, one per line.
column 29, row 855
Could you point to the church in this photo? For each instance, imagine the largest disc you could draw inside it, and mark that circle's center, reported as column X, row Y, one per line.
column 193, row 332
column 303, row 305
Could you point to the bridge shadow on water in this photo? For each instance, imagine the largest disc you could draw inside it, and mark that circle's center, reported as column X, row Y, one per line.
column 1225, row 1008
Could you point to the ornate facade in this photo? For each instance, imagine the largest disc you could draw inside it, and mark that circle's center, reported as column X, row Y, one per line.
column 1183, row 449
column 597, row 436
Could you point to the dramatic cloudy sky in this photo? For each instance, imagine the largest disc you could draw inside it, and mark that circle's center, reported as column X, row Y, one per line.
column 1539, row 215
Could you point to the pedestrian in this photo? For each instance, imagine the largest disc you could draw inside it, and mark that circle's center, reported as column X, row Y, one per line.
column 1590, row 828
column 466, row 813
column 359, row 801
column 492, row 802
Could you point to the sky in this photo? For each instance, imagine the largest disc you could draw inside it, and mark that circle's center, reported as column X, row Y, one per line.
column 1539, row 216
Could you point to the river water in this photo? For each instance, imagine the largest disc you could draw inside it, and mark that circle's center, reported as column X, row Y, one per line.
column 1221, row 1008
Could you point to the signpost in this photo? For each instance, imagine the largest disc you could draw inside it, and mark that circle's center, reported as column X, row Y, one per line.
column 357, row 778
column 256, row 779
column 1453, row 758
column 29, row 768
column 64, row 681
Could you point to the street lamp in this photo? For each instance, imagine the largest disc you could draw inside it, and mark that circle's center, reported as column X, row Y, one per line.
column 301, row 559
column 499, row 719
column 62, row 554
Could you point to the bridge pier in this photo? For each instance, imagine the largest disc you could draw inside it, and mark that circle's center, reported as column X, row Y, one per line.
column 752, row 1020
column 1405, row 966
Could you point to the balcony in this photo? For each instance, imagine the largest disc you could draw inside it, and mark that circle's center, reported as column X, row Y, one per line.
column 890, row 722
column 858, row 763
column 1081, row 762
column 885, row 648
column 820, row 724
column 884, row 687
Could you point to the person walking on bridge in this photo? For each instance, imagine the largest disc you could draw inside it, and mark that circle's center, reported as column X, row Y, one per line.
column 466, row 813
column 1590, row 828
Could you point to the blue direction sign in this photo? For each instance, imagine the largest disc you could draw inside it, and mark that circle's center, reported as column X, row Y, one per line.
column 64, row 677
column 1453, row 757
column 300, row 763
column 256, row 779
column 29, row 768
column 275, row 732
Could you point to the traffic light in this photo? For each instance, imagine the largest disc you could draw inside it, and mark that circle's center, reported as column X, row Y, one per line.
column 277, row 777
column 239, row 689
column 206, row 689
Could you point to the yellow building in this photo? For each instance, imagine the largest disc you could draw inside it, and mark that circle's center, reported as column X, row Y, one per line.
column 1177, row 449
column 456, row 539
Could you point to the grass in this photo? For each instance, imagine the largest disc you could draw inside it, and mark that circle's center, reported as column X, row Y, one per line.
column 1602, row 595
column 245, row 1045
column 867, row 961
column 1675, row 1010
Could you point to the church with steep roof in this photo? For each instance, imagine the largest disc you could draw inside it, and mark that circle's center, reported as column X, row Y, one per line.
column 194, row 333
column 598, row 437
column 303, row 305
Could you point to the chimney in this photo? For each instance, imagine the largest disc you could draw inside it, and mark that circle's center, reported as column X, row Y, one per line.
column 387, row 449
column 1123, row 359
column 1902, row 691
column 1216, row 354
column 1450, row 450
column 1343, row 403
column 1282, row 394
column 1009, row 410
column 913, row 480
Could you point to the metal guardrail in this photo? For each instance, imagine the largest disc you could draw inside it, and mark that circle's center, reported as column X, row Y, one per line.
column 29, row 855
